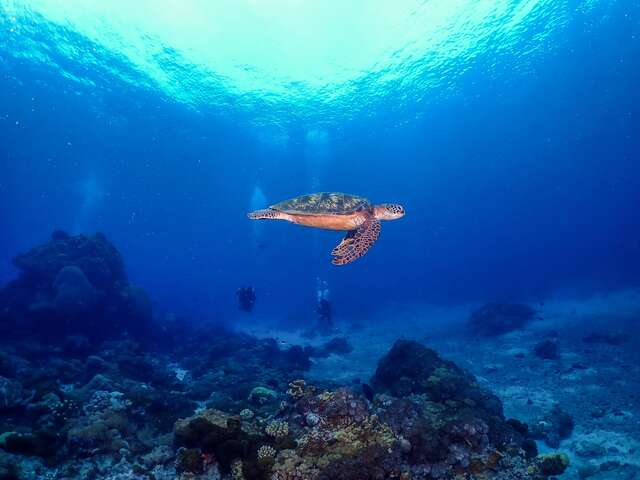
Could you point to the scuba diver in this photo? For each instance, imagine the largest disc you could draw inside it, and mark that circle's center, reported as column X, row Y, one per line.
column 246, row 298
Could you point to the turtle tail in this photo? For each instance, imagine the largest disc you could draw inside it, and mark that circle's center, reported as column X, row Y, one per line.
column 267, row 214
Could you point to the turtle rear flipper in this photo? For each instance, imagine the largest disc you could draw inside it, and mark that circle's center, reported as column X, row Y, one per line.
column 267, row 214
column 356, row 243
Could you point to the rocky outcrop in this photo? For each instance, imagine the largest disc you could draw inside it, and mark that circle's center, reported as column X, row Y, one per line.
column 495, row 318
column 73, row 285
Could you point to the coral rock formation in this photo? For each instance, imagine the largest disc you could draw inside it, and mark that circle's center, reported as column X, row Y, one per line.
column 495, row 319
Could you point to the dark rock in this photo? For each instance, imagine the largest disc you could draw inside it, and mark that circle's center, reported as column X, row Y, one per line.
column 8, row 468
column 135, row 368
column 77, row 346
column 95, row 364
column 609, row 465
column 297, row 358
column 588, row 470
column 553, row 427
column 547, row 350
column 59, row 235
column 74, row 294
column 337, row 345
column 73, row 285
column 137, row 305
column 225, row 436
column 11, row 394
column 189, row 460
column 7, row 366
column 367, row 391
column 530, row 448
column 552, row 464
column 94, row 255
column 615, row 339
column 411, row 368
column 495, row 319
column 41, row 444
column 518, row 426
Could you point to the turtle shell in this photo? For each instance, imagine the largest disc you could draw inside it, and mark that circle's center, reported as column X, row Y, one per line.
column 324, row 203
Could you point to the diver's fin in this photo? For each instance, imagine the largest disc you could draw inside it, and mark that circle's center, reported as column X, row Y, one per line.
column 356, row 243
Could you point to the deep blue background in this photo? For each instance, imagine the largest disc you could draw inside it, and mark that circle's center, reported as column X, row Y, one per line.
column 516, row 185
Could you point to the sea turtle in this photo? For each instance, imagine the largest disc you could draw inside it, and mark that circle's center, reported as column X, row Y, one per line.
column 336, row 211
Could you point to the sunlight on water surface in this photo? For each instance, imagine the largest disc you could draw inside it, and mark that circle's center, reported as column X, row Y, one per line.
column 332, row 58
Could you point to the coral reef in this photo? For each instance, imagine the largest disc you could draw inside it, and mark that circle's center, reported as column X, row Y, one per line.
column 495, row 318
column 277, row 429
column 211, row 404
column 108, row 421
column 262, row 395
column 411, row 368
column 339, row 434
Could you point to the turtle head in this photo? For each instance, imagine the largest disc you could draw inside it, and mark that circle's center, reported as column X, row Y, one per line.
column 388, row 211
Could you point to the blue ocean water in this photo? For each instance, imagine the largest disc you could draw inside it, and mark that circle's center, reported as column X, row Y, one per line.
column 508, row 129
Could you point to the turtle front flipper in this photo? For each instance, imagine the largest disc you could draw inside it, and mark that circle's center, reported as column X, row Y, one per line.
column 342, row 247
column 356, row 243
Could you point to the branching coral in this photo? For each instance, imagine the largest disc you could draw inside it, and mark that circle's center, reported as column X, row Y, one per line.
column 266, row 453
column 277, row 429
column 299, row 389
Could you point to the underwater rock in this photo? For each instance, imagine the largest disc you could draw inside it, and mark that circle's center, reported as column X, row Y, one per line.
column 225, row 436
column 73, row 285
column 160, row 455
column 494, row 319
column 297, row 357
column 119, row 426
column 246, row 414
column 349, row 441
column 589, row 449
column 94, row 255
column 135, row 367
column 552, row 464
column 337, row 345
column 8, row 365
column 547, row 350
column 9, row 469
column 414, row 371
column 77, row 346
column 74, row 293
column 11, row 394
column 553, row 427
column 189, row 460
column 41, row 443
column 411, row 368
column 414, row 438
column 95, row 364
column 261, row 395
column 603, row 338
column 137, row 304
